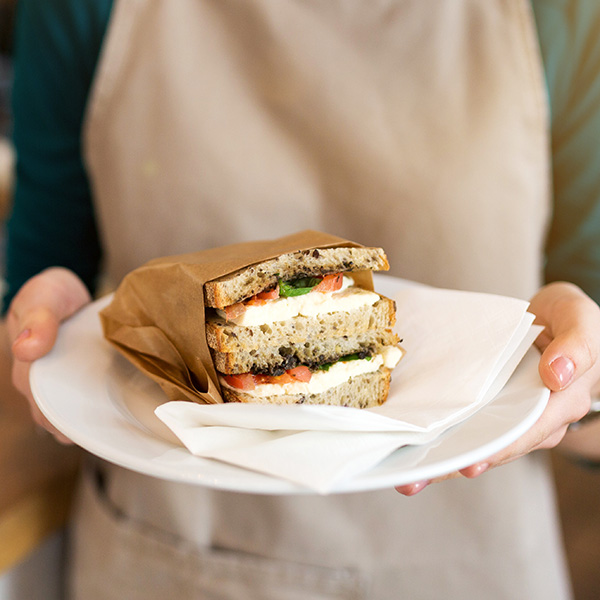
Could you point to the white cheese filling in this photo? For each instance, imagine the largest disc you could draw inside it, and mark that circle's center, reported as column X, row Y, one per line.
column 323, row 380
column 346, row 299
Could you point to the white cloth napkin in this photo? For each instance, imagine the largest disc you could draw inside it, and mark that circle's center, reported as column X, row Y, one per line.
column 461, row 349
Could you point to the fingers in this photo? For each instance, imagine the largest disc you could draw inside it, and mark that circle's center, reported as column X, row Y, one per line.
column 411, row 489
column 33, row 320
column 563, row 408
column 476, row 470
column 38, row 308
column 569, row 367
column 571, row 340
column 38, row 331
column 20, row 378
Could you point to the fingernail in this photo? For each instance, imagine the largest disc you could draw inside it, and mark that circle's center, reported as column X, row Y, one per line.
column 413, row 488
column 22, row 336
column 475, row 470
column 481, row 468
column 563, row 369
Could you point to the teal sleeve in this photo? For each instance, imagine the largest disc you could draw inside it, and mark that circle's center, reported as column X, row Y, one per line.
column 57, row 43
column 569, row 32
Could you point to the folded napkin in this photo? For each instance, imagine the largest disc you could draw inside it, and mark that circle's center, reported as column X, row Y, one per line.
column 461, row 349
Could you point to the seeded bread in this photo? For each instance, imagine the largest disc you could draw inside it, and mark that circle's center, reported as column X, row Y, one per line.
column 364, row 391
column 253, row 279
column 224, row 336
column 276, row 359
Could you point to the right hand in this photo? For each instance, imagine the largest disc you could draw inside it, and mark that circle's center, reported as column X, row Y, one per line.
column 34, row 316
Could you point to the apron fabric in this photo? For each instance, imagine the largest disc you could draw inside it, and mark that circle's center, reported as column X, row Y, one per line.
column 418, row 126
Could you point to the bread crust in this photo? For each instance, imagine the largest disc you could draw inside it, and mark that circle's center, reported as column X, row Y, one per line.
column 251, row 280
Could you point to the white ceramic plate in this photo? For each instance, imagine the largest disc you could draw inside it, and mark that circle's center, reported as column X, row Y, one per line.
column 96, row 398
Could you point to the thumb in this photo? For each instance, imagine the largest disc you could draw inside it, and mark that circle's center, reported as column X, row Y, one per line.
column 38, row 330
column 570, row 343
column 37, row 310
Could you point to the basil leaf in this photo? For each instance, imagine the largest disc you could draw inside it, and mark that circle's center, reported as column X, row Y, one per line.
column 298, row 287
column 347, row 358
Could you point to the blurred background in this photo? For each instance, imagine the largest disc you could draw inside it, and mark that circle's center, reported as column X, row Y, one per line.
column 28, row 533
column 578, row 490
column 7, row 14
column 36, row 473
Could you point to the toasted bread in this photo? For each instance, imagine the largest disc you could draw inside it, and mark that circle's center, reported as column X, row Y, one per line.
column 253, row 279
column 364, row 391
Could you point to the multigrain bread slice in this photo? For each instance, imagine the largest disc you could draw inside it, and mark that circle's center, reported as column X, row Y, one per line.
column 292, row 330
column 224, row 336
column 253, row 279
column 277, row 359
column 363, row 391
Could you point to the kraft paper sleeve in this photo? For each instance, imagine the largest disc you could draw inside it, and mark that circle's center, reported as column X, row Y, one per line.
column 156, row 318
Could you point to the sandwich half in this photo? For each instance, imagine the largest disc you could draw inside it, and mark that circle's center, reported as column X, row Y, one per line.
column 298, row 329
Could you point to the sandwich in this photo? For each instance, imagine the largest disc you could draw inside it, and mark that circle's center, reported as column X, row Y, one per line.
column 300, row 329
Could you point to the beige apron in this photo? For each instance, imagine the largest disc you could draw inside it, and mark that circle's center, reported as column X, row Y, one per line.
column 417, row 125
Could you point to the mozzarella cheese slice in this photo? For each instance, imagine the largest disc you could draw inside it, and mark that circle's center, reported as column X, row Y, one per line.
column 348, row 298
column 321, row 381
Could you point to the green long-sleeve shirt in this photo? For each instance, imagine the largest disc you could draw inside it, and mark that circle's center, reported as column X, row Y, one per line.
column 57, row 47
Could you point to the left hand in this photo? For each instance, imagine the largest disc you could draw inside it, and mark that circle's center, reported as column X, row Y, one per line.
column 569, row 366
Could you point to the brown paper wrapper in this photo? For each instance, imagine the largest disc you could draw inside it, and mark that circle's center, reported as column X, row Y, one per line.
column 156, row 318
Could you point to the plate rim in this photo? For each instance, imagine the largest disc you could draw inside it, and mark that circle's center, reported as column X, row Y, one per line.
column 214, row 474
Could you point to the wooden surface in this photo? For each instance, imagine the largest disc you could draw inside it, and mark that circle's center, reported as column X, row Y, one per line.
column 36, row 475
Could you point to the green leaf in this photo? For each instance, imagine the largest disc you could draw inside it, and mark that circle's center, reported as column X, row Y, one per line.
column 347, row 358
column 298, row 287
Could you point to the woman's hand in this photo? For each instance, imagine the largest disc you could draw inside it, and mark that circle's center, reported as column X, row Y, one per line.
column 569, row 367
column 32, row 322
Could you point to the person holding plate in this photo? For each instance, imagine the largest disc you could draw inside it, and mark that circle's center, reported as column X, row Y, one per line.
column 149, row 127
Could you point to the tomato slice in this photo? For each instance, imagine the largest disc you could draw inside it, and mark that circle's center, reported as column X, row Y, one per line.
column 330, row 283
column 234, row 311
column 300, row 373
column 271, row 294
column 256, row 300
column 274, row 379
column 243, row 381
column 260, row 379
